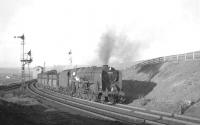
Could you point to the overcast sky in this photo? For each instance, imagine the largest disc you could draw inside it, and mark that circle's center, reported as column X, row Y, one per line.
column 53, row 27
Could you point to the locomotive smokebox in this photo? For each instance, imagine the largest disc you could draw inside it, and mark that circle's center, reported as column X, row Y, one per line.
column 105, row 67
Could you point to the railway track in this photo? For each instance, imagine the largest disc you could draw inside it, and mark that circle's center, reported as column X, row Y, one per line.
column 13, row 86
column 119, row 112
column 10, row 87
column 92, row 111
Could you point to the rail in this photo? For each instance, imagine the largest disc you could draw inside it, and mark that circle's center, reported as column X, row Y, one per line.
column 124, row 112
column 10, row 87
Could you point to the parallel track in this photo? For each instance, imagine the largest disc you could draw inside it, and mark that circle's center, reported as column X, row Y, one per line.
column 15, row 85
column 9, row 87
column 120, row 112
column 70, row 104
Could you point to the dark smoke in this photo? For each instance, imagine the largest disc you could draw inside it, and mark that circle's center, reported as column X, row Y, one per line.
column 106, row 46
column 118, row 47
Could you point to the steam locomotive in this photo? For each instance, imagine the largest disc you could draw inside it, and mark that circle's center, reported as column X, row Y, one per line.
column 100, row 84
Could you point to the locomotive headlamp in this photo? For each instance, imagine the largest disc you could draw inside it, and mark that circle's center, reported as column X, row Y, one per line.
column 112, row 89
column 74, row 74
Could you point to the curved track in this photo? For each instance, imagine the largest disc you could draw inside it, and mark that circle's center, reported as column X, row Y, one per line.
column 119, row 112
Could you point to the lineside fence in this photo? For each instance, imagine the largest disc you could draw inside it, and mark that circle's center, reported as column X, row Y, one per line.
column 173, row 58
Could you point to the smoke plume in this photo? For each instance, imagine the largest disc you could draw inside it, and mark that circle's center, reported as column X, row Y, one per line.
column 106, row 46
column 118, row 48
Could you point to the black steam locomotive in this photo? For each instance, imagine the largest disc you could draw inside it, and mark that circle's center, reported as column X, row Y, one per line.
column 101, row 84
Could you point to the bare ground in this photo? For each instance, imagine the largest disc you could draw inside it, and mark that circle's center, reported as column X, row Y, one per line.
column 172, row 87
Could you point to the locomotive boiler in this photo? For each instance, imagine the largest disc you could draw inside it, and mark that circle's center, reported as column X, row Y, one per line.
column 102, row 84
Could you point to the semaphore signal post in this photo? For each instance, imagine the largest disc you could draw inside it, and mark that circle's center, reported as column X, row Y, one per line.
column 24, row 62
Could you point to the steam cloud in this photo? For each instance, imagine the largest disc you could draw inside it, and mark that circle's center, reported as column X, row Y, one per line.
column 118, row 47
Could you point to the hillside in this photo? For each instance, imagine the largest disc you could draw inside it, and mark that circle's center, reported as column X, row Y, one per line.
column 9, row 70
column 172, row 86
column 9, row 75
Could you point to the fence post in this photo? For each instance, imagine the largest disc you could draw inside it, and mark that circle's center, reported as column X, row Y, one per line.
column 192, row 55
column 185, row 56
column 179, row 57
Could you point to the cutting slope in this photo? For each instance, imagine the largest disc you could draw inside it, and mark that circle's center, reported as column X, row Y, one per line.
column 176, row 85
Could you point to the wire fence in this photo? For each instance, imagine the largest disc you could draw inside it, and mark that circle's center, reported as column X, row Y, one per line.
column 173, row 58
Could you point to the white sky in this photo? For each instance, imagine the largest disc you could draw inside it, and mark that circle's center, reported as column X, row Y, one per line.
column 53, row 27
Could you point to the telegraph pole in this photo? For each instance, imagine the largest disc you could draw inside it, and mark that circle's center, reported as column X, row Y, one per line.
column 24, row 62
column 70, row 57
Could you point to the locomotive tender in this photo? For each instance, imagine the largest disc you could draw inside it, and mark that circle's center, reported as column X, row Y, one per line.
column 102, row 84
